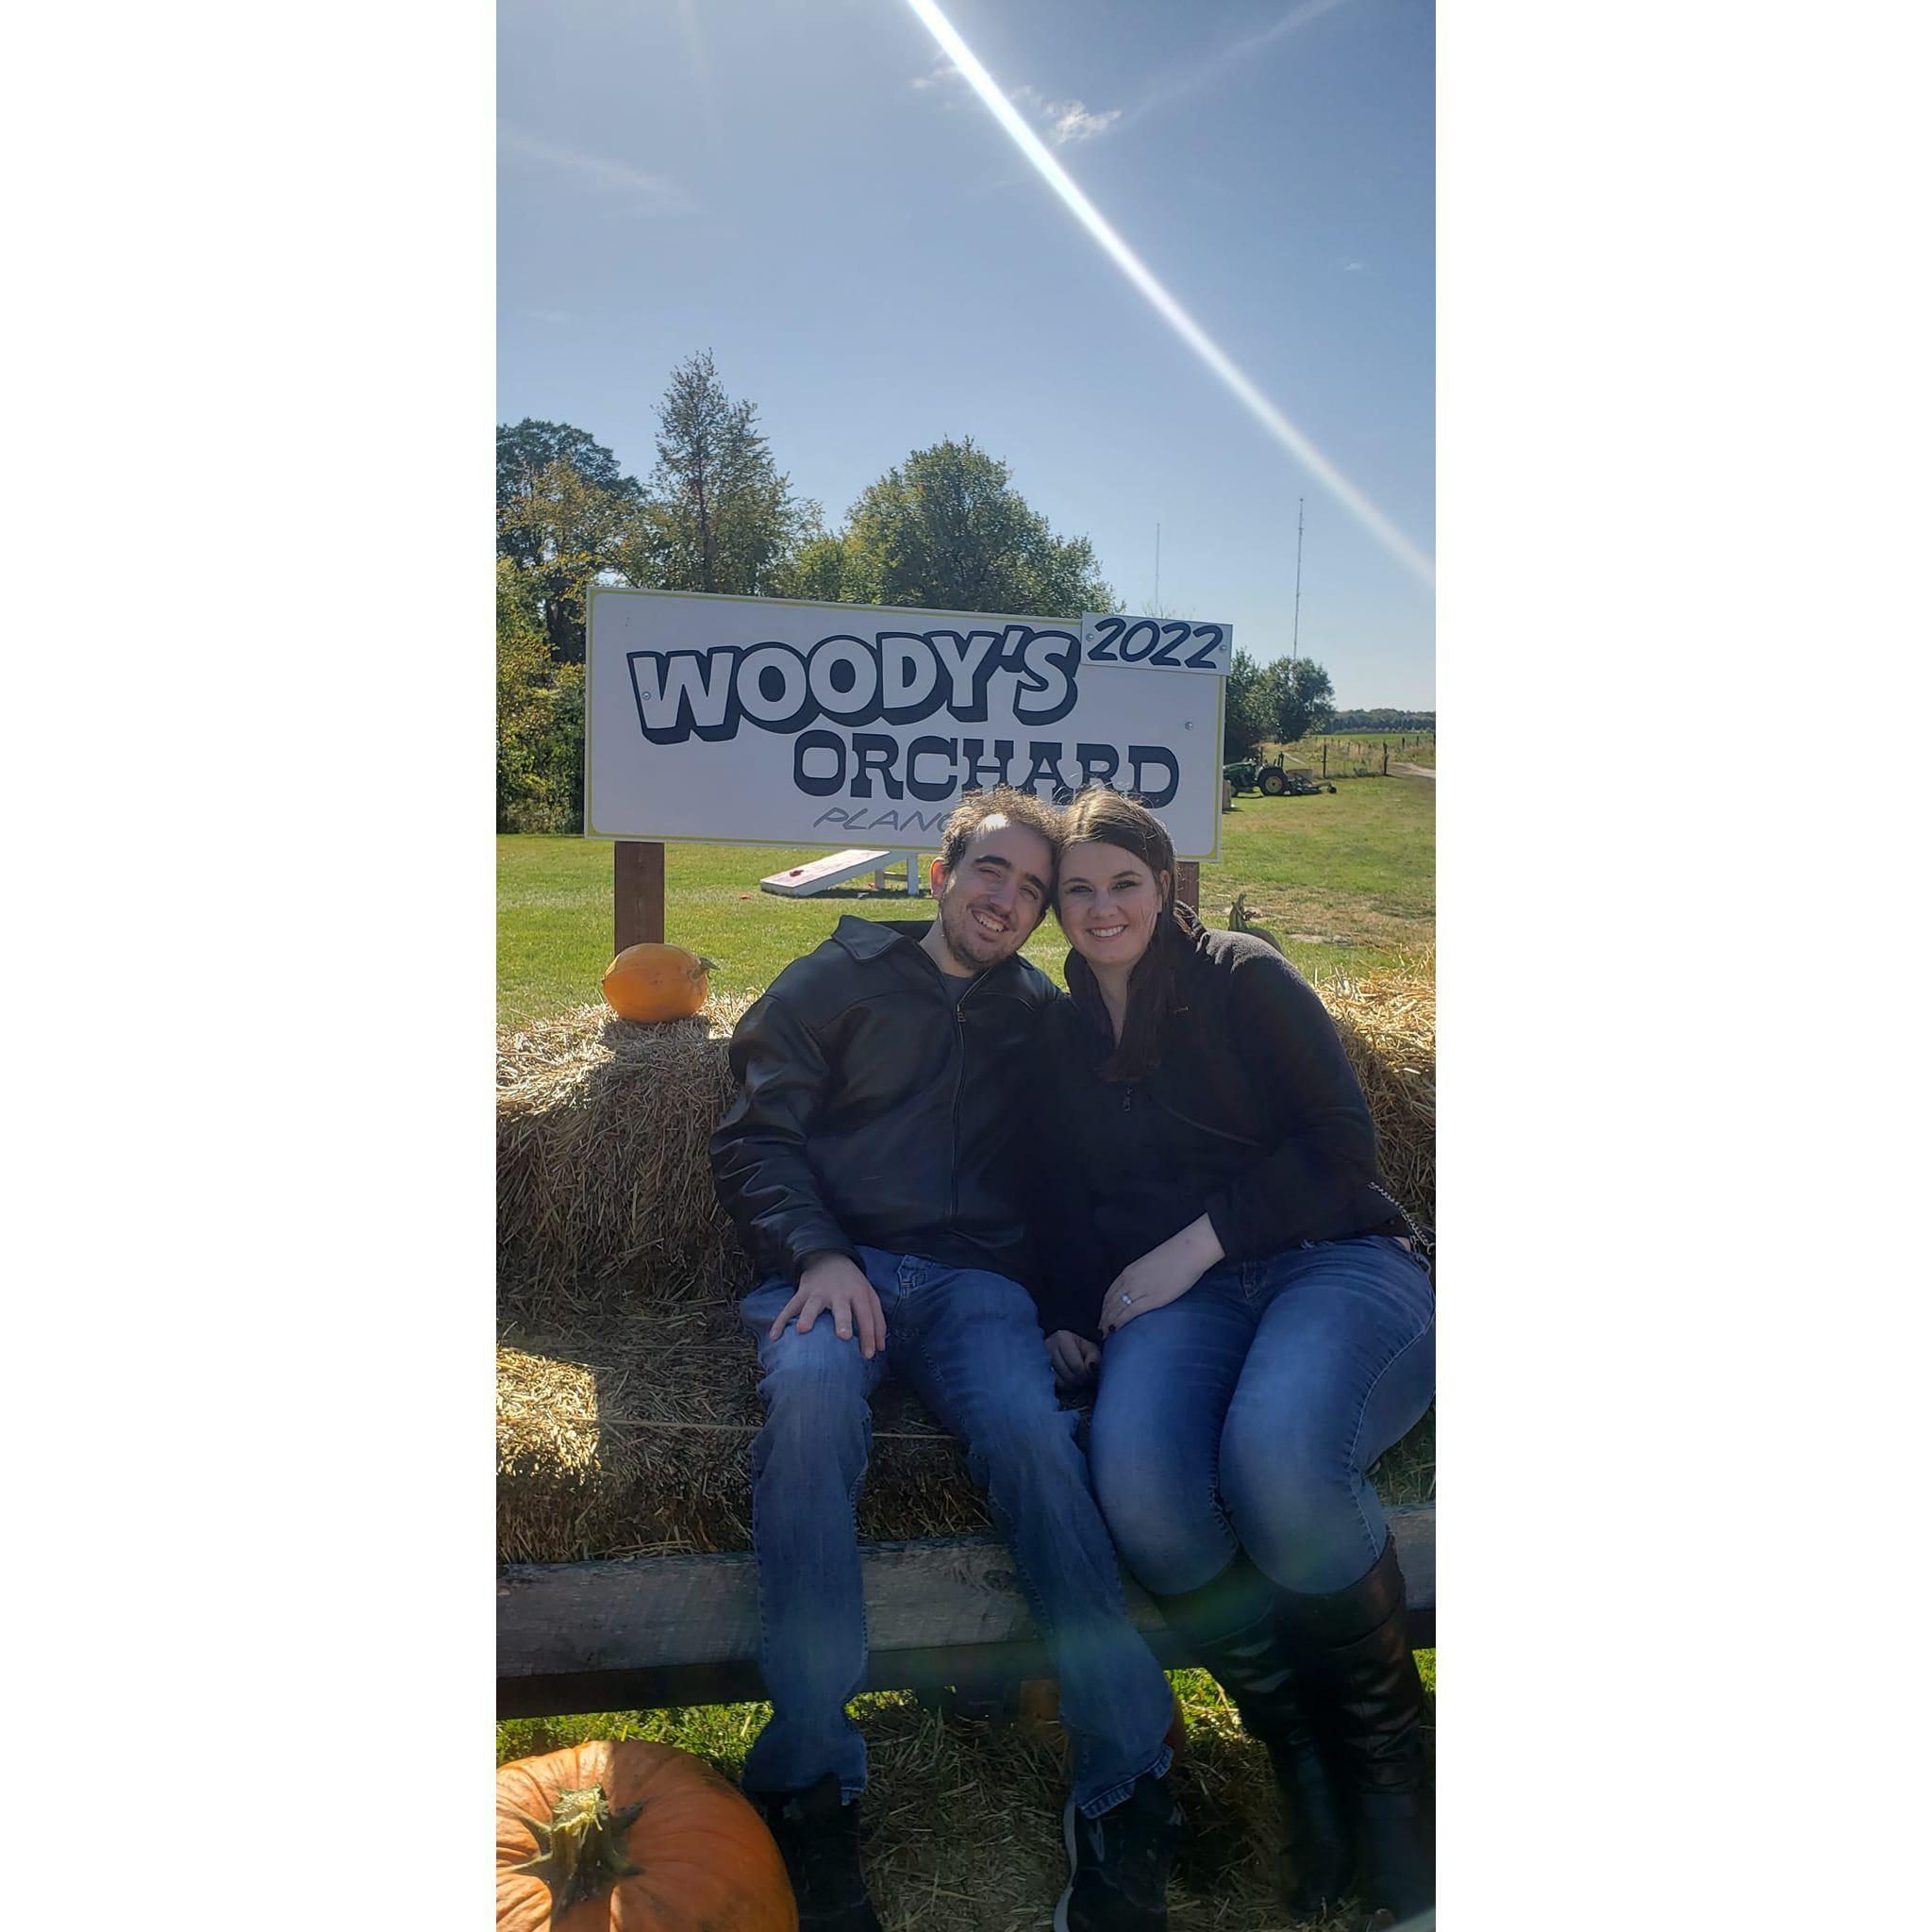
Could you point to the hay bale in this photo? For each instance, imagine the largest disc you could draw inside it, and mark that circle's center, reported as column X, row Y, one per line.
column 633, row 1439
column 626, row 1385
column 604, row 1126
column 604, row 1190
column 1387, row 1020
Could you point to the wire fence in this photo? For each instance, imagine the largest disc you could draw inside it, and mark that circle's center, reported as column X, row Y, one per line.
column 1373, row 756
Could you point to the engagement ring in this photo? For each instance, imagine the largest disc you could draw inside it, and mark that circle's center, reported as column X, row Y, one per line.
column 1126, row 1300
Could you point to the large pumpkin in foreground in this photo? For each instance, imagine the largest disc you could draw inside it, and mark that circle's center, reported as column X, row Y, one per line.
column 632, row 1837
column 656, row 982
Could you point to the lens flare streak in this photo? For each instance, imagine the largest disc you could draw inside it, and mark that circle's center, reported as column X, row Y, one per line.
column 1164, row 305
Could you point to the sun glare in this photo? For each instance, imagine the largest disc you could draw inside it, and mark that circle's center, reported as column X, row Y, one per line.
column 1177, row 318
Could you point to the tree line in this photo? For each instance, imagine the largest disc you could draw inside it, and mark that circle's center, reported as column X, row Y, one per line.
column 1281, row 701
column 1381, row 719
column 945, row 530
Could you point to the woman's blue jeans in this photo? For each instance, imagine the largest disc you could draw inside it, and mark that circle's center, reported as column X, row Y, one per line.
column 1243, row 1414
column 969, row 1345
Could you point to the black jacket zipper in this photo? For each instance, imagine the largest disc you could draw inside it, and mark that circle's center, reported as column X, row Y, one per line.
column 958, row 1089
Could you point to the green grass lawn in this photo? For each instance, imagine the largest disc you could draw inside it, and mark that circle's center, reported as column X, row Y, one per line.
column 723, row 1732
column 960, row 1829
column 1345, row 880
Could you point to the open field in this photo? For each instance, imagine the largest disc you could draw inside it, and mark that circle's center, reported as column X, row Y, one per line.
column 1425, row 740
column 1346, row 882
column 1359, row 750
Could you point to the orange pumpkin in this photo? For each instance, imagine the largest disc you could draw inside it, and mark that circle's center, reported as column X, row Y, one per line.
column 656, row 982
column 632, row 1837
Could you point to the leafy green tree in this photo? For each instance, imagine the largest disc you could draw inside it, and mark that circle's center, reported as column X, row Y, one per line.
column 1381, row 718
column 540, row 716
column 570, row 530
column 828, row 567
column 721, row 516
column 947, row 530
column 565, row 514
column 526, row 450
column 1248, row 709
column 1300, row 697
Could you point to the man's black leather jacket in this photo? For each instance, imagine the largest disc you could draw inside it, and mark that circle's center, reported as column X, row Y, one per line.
column 872, row 1111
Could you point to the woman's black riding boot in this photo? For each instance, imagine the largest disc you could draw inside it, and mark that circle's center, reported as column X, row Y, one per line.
column 1365, row 1700
column 1232, row 1626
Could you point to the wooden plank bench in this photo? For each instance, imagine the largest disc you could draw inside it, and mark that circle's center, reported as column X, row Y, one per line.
column 642, row 1634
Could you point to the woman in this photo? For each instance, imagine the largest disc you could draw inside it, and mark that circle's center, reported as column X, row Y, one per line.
column 1266, row 1330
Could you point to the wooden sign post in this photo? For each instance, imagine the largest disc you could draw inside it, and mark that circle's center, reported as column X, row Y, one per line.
column 637, row 882
column 1187, row 885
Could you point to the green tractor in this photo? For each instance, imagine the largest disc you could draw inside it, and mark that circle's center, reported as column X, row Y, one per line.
column 1274, row 779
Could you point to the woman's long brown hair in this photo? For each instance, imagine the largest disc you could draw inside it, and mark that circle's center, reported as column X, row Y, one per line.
column 1108, row 817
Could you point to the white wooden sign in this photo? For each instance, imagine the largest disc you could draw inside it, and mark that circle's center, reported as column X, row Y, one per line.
column 752, row 720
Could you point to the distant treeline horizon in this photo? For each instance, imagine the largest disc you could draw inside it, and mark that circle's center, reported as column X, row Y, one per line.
column 1381, row 719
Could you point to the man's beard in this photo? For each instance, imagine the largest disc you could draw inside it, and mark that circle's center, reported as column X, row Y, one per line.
column 967, row 944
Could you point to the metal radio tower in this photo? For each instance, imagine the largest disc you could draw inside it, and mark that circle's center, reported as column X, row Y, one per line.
column 1301, row 504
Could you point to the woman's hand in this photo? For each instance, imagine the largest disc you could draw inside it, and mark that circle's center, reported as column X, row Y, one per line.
column 1161, row 1275
column 1073, row 1358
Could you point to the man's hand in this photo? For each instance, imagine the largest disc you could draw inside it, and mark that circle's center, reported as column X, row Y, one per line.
column 1161, row 1275
column 1073, row 1358
column 835, row 1285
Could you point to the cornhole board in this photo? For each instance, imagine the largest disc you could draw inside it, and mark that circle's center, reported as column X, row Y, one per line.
column 802, row 881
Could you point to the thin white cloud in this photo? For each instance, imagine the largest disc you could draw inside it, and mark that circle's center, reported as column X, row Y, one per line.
column 656, row 190
column 1163, row 301
column 1064, row 122
column 1191, row 80
column 1077, row 123
column 1350, row 267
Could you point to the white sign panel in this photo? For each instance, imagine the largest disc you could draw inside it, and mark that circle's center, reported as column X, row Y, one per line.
column 749, row 720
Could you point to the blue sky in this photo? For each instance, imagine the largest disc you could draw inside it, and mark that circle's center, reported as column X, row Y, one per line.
column 805, row 188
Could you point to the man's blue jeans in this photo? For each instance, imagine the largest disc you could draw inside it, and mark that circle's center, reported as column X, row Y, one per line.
column 969, row 1345
column 1245, row 1413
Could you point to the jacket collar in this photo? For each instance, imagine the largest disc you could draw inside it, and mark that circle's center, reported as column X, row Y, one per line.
column 874, row 939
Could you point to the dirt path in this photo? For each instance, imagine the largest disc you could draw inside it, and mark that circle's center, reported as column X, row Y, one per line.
column 1415, row 771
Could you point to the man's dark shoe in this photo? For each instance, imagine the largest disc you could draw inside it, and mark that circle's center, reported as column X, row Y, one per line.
column 817, row 1839
column 1117, row 1863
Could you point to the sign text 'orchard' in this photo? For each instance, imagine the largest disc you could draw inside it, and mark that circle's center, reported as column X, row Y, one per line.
column 747, row 719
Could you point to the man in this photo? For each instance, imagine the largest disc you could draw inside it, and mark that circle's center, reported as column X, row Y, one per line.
column 871, row 1165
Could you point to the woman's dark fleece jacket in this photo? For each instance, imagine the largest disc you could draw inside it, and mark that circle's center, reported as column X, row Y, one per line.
column 1248, row 1112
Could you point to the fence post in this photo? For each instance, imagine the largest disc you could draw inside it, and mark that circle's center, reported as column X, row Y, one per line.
column 638, row 891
